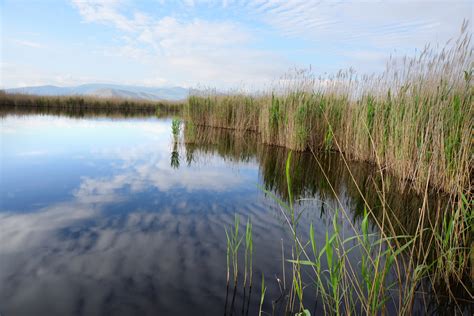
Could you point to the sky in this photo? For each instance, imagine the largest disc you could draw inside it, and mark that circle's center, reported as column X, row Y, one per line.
column 209, row 43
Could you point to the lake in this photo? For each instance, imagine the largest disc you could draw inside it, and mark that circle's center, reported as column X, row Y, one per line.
column 103, row 216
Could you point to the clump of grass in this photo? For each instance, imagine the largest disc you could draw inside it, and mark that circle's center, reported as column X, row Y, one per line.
column 234, row 240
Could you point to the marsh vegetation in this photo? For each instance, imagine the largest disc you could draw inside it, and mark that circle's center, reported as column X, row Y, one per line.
column 413, row 124
column 385, row 161
column 79, row 106
column 415, row 119
column 395, row 247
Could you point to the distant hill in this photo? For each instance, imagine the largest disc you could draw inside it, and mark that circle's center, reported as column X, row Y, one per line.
column 107, row 90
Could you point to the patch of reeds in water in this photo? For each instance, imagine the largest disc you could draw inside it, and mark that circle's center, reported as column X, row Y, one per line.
column 234, row 241
column 393, row 267
column 414, row 119
column 79, row 106
column 421, row 248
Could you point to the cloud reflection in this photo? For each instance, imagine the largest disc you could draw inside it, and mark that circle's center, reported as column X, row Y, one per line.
column 73, row 258
column 137, row 240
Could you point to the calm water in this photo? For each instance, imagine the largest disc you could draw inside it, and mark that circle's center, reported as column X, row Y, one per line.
column 111, row 216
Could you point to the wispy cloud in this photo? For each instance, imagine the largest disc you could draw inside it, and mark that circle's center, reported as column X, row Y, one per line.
column 194, row 50
column 105, row 12
column 27, row 43
column 231, row 43
column 385, row 22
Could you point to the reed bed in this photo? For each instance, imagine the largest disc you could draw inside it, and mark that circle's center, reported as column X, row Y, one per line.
column 411, row 246
column 415, row 119
column 77, row 105
column 394, row 268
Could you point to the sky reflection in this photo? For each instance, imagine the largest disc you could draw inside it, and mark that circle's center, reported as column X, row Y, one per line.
column 94, row 220
column 112, row 216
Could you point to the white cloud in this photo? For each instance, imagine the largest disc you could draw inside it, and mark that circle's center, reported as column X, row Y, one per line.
column 380, row 22
column 27, row 43
column 105, row 12
column 363, row 34
column 182, row 46
column 189, row 50
column 220, row 52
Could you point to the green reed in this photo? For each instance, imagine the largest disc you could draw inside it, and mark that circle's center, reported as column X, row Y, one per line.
column 415, row 118
column 233, row 243
column 343, row 285
column 248, row 253
column 408, row 224
column 262, row 295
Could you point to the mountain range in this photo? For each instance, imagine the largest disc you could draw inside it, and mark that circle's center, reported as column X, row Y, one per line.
column 107, row 90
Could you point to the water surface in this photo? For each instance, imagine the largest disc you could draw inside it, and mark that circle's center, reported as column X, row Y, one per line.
column 102, row 216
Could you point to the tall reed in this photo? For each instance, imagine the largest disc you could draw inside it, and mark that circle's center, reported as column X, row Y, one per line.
column 389, row 263
column 419, row 242
column 416, row 118
column 233, row 244
column 248, row 253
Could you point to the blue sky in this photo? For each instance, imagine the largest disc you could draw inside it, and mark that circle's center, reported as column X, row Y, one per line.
column 221, row 44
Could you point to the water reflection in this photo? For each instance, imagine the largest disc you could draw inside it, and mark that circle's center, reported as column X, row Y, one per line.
column 133, row 235
column 320, row 175
column 129, row 110
column 174, row 163
column 124, row 228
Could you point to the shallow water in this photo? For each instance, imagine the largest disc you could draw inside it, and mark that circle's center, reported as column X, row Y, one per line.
column 106, row 216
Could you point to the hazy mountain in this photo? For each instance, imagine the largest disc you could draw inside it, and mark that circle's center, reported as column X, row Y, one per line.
column 108, row 90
